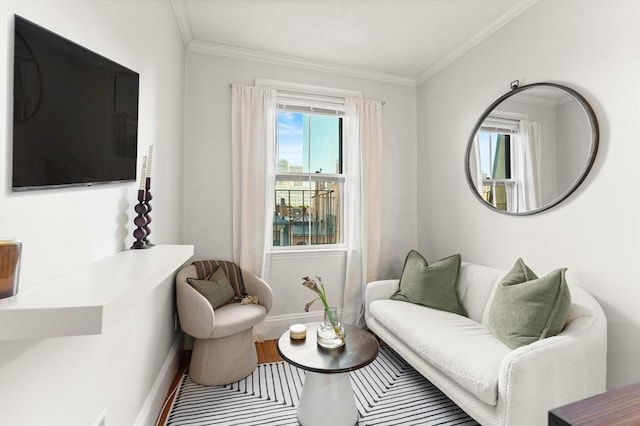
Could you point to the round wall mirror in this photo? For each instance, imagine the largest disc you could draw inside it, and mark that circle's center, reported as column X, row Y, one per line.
column 531, row 148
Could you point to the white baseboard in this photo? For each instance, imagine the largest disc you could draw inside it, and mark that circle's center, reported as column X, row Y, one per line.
column 150, row 410
column 274, row 326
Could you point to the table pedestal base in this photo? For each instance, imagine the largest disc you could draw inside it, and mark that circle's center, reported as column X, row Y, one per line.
column 327, row 399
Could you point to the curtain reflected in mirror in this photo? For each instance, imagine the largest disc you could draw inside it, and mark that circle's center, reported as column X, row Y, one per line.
column 531, row 148
column 27, row 91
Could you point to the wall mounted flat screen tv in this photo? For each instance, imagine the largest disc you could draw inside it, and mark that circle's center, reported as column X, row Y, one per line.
column 75, row 113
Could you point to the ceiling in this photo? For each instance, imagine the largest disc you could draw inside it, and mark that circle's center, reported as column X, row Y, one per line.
column 401, row 41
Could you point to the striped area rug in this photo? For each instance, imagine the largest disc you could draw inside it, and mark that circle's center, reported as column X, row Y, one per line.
column 388, row 392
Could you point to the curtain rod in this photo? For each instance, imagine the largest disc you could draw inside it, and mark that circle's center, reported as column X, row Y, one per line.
column 382, row 102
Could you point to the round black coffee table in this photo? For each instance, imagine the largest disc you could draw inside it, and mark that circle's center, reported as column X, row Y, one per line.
column 327, row 396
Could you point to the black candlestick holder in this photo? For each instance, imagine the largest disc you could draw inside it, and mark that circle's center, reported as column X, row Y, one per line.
column 147, row 197
column 139, row 233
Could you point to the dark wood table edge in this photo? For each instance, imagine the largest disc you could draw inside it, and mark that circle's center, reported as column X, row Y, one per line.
column 347, row 327
column 614, row 407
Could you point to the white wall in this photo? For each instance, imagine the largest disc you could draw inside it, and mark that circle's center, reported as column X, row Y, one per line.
column 591, row 46
column 208, row 168
column 71, row 380
column 91, row 223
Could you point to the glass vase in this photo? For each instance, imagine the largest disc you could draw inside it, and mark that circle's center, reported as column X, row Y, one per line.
column 331, row 332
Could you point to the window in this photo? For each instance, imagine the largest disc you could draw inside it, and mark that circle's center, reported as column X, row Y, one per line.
column 309, row 180
column 496, row 161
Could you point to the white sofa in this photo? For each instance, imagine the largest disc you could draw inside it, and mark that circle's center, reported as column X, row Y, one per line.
column 492, row 383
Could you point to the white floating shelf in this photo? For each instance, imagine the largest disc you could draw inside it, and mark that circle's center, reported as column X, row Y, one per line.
column 87, row 300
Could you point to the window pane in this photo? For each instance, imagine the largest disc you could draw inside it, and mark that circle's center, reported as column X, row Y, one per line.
column 323, row 144
column 495, row 166
column 307, row 213
column 290, row 142
column 495, row 155
column 308, row 143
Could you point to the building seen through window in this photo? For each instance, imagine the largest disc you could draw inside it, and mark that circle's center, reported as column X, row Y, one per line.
column 309, row 180
column 496, row 142
column 495, row 166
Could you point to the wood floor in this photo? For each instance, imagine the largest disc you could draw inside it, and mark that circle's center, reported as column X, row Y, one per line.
column 267, row 352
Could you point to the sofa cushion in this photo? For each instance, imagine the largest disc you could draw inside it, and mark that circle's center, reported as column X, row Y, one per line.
column 463, row 349
column 475, row 286
column 430, row 285
column 526, row 308
column 216, row 289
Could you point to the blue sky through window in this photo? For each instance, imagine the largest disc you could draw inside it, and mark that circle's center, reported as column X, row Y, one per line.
column 308, row 143
column 290, row 138
column 487, row 145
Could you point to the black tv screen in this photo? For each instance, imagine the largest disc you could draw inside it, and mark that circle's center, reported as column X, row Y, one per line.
column 75, row 113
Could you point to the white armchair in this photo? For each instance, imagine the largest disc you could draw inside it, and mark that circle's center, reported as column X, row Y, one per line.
column 224, row 349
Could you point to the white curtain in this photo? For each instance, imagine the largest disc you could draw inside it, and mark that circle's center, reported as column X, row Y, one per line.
column 362, row 157
column 253, row 118
column 527, row 170
column 475, row 168
column 511, row 195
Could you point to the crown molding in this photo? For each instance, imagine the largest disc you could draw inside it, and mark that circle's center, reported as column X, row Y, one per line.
column 296, row 62
column 473, row 41
column 328, row 67
column 180, row 11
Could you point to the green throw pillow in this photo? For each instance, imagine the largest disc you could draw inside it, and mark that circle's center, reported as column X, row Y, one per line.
column 216, row 289
column 430, row 285
column 527, row 308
